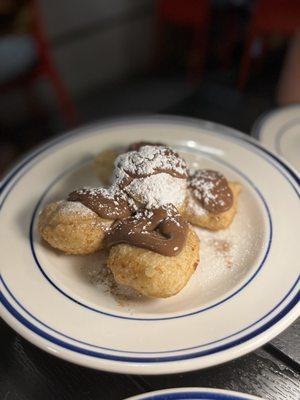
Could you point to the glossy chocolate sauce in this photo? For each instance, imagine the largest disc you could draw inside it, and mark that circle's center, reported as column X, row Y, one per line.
column 210, row 188
column 161, row 230
column 151, row 160
column 102, row 202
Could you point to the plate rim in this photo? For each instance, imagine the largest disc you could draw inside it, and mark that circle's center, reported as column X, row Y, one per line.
column 210, row 393
column 217, row 128
column 192, row 121
column 260, row 121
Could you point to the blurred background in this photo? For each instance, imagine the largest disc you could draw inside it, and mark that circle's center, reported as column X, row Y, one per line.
column 70, row 62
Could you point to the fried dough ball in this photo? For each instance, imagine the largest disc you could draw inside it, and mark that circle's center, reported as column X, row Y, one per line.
column 152, row 176
column 153, row 274
column 104, row 165
column 104, row 162
column 196, row 215
column 156, row 188
column 72, row 228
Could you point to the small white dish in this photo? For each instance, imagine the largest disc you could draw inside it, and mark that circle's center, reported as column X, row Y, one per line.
column 235, row 302
column 279, row 130
column 194, row 394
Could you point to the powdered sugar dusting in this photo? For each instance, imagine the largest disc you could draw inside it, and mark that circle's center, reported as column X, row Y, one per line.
column 74, row 207
column 193, row 206
column 148, row 159
column 110, row 193
column 207, row 191
column 211, row 189
column 113, row 201
column 153, row 176
column 227, row 254
column 158, row 190
column 132, row 204
column 103, row 279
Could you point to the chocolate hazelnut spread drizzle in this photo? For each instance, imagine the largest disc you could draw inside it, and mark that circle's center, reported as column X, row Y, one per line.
column 161, row 230
column 210, row 188
column 149, row 160
column 109, row 205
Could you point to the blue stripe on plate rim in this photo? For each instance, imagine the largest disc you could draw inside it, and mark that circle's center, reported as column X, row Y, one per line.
column 262, row 119
column 183, row 148
column 208, row 126
column 258, row 126
column 194, row 393
column 28, row 324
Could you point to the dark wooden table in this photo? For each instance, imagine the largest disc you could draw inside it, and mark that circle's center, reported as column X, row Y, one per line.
column 27, row 373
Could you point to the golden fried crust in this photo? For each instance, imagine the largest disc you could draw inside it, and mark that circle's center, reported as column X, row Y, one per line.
column 152, row 274
column 104, row 165
column 213, row 222
column 181, row 208
column 71, row 231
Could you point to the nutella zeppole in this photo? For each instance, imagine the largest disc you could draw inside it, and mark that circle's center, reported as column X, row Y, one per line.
column 144, row 219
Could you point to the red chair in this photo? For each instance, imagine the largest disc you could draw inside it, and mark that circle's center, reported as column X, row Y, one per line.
column 269, row 17
column 43, row 66
column 193, row 14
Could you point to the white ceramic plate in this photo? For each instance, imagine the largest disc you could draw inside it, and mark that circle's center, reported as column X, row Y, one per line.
column 243, row 293
column 193, row 393
column 279, row 130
